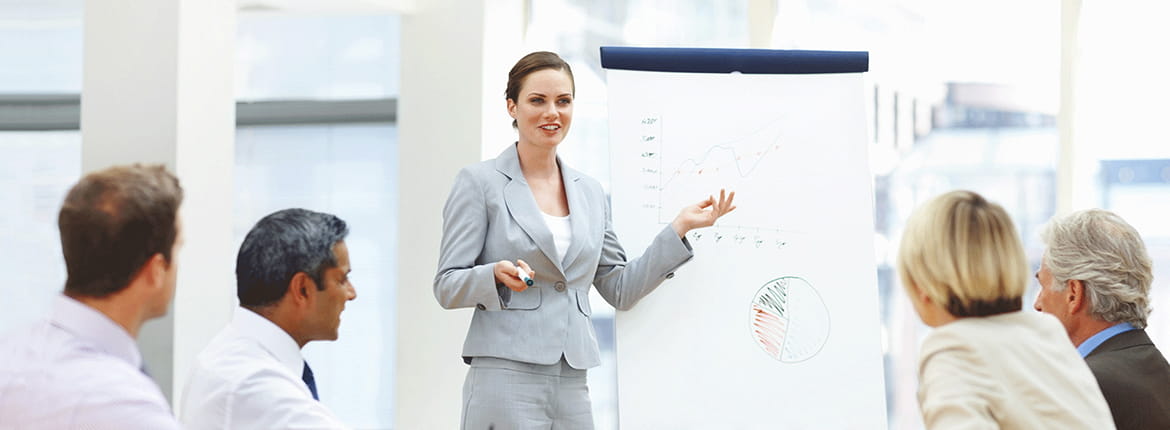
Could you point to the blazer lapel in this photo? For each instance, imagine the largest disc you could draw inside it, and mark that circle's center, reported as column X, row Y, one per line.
column 579, row 211
column 522, row 205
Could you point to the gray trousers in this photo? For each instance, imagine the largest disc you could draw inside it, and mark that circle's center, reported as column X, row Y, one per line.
column 503, row 394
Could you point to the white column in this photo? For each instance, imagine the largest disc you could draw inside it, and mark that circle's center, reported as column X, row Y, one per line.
column 761, row 22
column 1067, row 165
column 505, row 27
column 452, row 53
column 157, row 88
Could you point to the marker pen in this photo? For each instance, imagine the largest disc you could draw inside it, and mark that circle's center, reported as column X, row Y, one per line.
column 523, row 274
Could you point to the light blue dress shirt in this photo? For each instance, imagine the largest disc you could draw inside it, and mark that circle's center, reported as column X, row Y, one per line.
column 1096, row 340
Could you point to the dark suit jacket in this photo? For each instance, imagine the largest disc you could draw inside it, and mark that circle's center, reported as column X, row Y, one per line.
column 1135, row 379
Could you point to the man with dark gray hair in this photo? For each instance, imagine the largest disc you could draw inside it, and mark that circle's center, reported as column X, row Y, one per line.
column 1095, row 278
column 292, row 279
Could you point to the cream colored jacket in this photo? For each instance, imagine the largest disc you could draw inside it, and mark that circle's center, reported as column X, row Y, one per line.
column 1011, row 371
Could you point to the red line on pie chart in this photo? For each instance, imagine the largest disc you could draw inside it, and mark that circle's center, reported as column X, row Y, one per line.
column 789, row 320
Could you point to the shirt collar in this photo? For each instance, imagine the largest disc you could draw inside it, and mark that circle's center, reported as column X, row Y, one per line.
column 1096, row 340
column 271, row 337
column 96, row 328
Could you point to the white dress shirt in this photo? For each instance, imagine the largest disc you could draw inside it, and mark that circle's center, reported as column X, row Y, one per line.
column 78, row 369
column 249, row 377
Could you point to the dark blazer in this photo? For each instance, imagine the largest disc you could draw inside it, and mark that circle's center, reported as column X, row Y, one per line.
column 1135, row 379
column 490, row 216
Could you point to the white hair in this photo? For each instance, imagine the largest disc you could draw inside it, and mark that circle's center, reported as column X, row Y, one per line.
column 1108, row 256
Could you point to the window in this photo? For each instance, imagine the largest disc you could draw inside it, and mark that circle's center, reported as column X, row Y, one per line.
column 36, row 170
column 40, row 53
column 350, row 171
column 334, row 165
column 1120, row 140
column 318, row 131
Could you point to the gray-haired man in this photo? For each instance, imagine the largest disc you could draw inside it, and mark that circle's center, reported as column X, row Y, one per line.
column 1095, row 278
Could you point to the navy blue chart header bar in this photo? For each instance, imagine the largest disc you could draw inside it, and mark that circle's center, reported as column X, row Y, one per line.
column 715, row 60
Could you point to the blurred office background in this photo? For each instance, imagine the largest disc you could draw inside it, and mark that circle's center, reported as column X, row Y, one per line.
column 1042, row 105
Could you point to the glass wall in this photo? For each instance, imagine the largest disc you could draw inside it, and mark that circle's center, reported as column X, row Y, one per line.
column 283, row 56
column 348, row 169
column 40, row 53
column 36, row 170
column 40, row 47
column 1122, row 146
column 953, row 106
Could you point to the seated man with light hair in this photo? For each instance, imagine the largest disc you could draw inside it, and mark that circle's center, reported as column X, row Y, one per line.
column 1095, row 278
column 80, row 367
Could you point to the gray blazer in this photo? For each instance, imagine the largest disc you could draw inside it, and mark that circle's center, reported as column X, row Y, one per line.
column 491, row 215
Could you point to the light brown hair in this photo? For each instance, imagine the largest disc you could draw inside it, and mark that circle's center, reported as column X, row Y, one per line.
column 112, row 222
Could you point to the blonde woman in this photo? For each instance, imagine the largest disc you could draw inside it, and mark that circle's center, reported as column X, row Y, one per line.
column 987, row 364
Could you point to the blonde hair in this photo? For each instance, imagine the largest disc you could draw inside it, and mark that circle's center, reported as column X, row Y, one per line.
column 963, row 252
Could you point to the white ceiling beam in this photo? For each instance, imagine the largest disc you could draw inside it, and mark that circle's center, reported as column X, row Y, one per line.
column 403, row 7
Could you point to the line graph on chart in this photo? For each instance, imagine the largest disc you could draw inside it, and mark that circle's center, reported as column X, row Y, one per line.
column 685, row 161
column 712, row 162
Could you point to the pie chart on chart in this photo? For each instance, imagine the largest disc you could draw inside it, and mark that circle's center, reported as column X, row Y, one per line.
column 789, row 320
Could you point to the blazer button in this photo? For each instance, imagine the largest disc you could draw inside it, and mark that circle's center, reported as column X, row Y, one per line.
column 560, row 286
column 481, row 307
column 669, row 275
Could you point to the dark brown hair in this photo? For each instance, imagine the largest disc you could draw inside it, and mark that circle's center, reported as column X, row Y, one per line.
column 112, row 222
column 530, row 64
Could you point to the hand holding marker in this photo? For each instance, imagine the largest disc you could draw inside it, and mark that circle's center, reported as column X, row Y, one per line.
column 523, row 275
column 515, row 275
